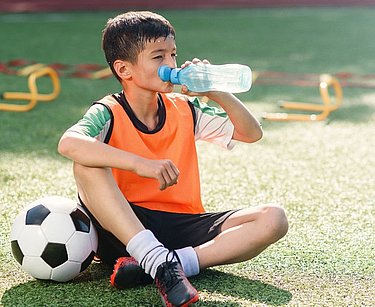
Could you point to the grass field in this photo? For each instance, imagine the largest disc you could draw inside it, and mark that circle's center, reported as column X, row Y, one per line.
column 322, row 172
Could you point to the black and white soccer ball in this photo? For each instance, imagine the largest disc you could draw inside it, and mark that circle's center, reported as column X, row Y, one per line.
column 53, row 239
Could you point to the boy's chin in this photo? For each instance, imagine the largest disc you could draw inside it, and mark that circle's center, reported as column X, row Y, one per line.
column 167, row 89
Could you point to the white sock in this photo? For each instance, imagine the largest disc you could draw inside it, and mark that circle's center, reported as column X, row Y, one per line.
column 147, row 250
column 189, row 261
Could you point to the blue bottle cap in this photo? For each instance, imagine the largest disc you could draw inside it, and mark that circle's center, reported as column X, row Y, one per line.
column 174, row 76
column 164, row 73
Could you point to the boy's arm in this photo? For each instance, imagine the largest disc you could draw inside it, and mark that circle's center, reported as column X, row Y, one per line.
column 90, row 152
column 246, row 127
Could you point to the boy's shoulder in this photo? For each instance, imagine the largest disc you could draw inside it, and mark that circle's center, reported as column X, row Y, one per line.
column 113, row 98
column 107, row 99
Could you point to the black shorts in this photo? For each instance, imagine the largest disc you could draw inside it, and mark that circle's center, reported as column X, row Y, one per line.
column 174, row 230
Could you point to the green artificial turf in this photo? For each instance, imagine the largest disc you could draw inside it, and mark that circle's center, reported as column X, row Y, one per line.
column 322, row 173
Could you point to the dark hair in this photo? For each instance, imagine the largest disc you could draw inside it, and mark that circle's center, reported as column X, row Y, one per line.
column 126, row 35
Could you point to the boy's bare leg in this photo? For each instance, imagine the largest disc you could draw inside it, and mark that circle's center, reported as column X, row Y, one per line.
column 105, row 201
column 244, row 235
column 101, row 195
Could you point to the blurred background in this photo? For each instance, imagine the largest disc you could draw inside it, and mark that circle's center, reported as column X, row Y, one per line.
column 322, row 172
column 56, row 5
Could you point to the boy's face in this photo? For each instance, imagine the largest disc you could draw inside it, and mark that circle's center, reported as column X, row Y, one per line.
column 156, row 53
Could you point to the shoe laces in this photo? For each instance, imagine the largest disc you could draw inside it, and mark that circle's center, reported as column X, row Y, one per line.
column 172, row 259
column 171, row 272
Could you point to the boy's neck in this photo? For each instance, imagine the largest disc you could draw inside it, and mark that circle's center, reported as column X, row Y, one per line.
column 144, row 106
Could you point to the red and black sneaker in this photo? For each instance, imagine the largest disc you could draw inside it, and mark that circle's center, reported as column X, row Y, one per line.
column 174, row 288
column 127, row 273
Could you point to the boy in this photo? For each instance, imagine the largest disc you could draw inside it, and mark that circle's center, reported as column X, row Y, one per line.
column 136, row 168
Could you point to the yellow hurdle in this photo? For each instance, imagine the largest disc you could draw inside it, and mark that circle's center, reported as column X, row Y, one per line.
column 33, row 96
column 325, row 109
column 30, row 69
column 100, row 74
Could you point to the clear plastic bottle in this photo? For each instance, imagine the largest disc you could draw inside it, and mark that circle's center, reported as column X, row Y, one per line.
column 232, row 78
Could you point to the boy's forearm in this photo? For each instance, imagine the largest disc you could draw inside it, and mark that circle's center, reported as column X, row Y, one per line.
column 247, row 127
column 92, row 153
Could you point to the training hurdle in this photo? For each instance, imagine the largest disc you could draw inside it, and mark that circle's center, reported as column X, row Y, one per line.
column 329, row 105
column 34, row 72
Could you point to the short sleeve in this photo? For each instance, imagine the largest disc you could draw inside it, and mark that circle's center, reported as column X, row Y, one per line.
column 97, row 123
column 212, row 125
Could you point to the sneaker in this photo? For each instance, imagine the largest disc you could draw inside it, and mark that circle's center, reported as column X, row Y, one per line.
column 127, row 273
column 174, row 288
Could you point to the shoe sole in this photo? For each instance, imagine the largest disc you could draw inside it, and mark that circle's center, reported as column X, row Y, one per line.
column 188, row 303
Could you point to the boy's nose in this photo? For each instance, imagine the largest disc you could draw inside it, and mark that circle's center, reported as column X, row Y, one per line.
column 170, row 62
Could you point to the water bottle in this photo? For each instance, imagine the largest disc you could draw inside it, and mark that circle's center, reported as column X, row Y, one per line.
column 200, row 77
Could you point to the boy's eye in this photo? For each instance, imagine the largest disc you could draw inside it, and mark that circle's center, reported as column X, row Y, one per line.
column 157, row 57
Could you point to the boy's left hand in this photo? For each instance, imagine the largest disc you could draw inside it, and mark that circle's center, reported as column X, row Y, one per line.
column 184, row 89
column 194, row 61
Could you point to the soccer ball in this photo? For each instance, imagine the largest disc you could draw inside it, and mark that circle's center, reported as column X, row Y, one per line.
column 53, row 239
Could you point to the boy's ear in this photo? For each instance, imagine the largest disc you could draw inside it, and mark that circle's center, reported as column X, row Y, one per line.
column 122, row 69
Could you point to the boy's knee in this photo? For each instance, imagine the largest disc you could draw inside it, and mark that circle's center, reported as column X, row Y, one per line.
column 275, row 221
column 85, row 172
column 80, row 171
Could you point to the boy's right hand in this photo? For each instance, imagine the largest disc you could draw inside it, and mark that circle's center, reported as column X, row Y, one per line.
column 162, row 170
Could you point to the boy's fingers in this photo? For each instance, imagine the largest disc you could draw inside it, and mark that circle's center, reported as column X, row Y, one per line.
column 185, row 91
column 171, row 174
column 175, row 170
column 162, row 182
column 168, row 176
column 187, row 63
